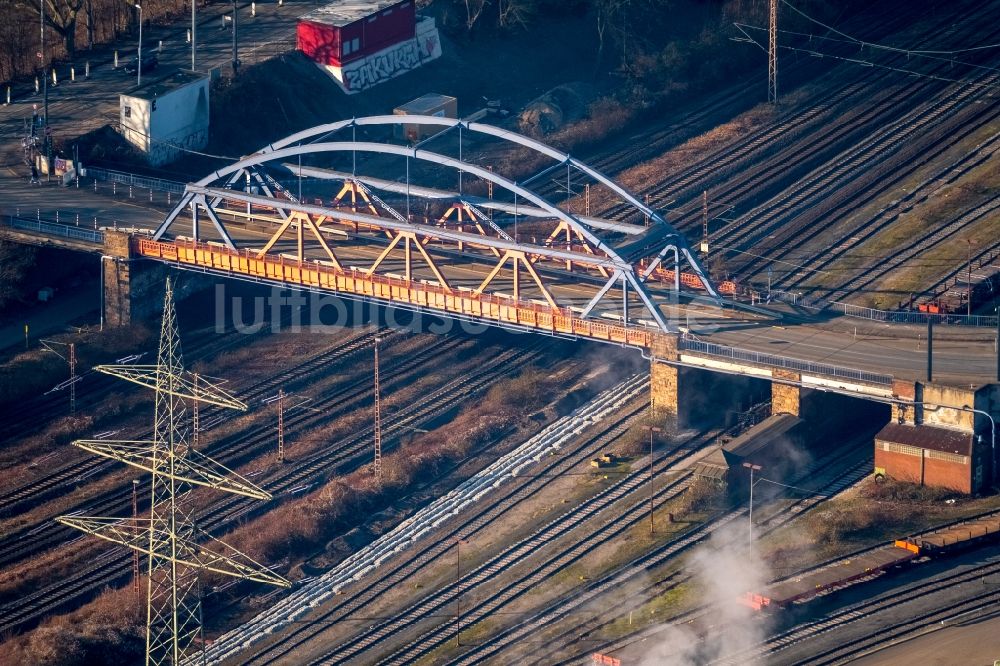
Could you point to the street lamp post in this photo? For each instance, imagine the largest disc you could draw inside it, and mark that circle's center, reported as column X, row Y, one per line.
column 103, row 258
column 993, row 437
column 753, row 468
column 138, row 68
column 45, row 93
column 236, row 53
column 194, row 29
column 968, row 283
column 651, row 430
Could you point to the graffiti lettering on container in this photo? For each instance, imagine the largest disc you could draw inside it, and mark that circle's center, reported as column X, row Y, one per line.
column 383, row 66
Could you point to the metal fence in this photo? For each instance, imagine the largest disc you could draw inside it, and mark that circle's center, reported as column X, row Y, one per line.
column 132, row 179
column 888, row 316
column 903, row 317
column 53, row 229
column 773, row 361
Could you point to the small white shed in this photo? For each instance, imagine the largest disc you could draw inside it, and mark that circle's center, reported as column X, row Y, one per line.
column 165, row 116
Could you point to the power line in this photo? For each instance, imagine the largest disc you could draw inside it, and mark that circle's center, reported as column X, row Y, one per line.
column 919, row 54
column 882, row 46
column 772, row 54
column 869, row 63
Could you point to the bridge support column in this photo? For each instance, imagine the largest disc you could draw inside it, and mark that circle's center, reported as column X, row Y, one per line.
column 127, row 282
column 786, row 398
column 665, row 384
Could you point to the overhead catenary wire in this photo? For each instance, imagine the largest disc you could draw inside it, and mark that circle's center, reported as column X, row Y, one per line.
column 869, row 63
column 882, row 46
column 743, row 27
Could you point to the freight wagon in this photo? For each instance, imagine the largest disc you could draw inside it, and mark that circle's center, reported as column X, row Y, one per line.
column 941, row 541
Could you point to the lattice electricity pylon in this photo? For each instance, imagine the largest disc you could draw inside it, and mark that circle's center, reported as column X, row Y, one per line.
column 772, row 54
column 176, row 549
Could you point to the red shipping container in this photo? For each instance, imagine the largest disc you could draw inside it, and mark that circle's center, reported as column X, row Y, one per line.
column 337, row 34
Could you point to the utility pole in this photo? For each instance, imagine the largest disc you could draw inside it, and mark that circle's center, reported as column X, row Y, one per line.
column 378, row 420
column 70, row 359
column 45, row 93
column 281, row 425
column 930, row 348
column 236, row 58
column 772, row 55
column 135, row 553
column 753, row 468
column 72, row 378
column 968, row 283
column 458, row 591
column 651, row 430
column 194, row 28
column 138, row 69
column 704, row 223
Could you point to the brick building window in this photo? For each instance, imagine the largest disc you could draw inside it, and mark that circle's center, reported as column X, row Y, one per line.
column 949, row 457
column 902, row 448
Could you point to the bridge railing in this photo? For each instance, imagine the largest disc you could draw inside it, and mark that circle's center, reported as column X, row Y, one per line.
column 774, row 361
column 463, row 304
column 904, row 317
column 887, row 316
column 145, row 182
column 55, row 229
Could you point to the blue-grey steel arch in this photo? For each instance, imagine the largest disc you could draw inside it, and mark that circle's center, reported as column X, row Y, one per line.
column 295, row 145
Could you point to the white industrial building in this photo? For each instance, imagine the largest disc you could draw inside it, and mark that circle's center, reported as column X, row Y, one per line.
column 165, row 116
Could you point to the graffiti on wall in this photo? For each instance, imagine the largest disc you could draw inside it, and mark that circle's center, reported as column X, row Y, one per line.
column 391, row 62
column 383, row 65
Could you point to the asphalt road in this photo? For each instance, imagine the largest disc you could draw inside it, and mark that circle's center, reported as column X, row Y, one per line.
column 967, row 360
column 890, row 587
column 78, row 107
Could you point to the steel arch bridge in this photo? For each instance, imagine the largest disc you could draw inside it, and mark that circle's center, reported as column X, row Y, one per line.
column 440, row 231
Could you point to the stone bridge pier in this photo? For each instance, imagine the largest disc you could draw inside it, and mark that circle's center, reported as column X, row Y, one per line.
column 132, row 287
column 714, row 394
column 685, row 397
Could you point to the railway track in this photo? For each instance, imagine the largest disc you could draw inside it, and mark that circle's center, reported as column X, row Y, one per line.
column 474, row 520
column 37, row 412
column 339, row 458
column 611, row 522
column 491, row 647
column 576, row 632
column 704, row 612
column 231, row 450
column 986, row 255
column 900, row 257
column 867, row 609
column 832, row 119
column 68, row 477
column 877, row 267
column 775, row 228
column 857, row 170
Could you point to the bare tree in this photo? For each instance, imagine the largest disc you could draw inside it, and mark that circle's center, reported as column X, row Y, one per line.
column 15, row 260
column 473, row 10
column 61, row 16
column 510, row 12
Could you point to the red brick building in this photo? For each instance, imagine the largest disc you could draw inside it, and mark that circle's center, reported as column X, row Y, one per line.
column 931, row 456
